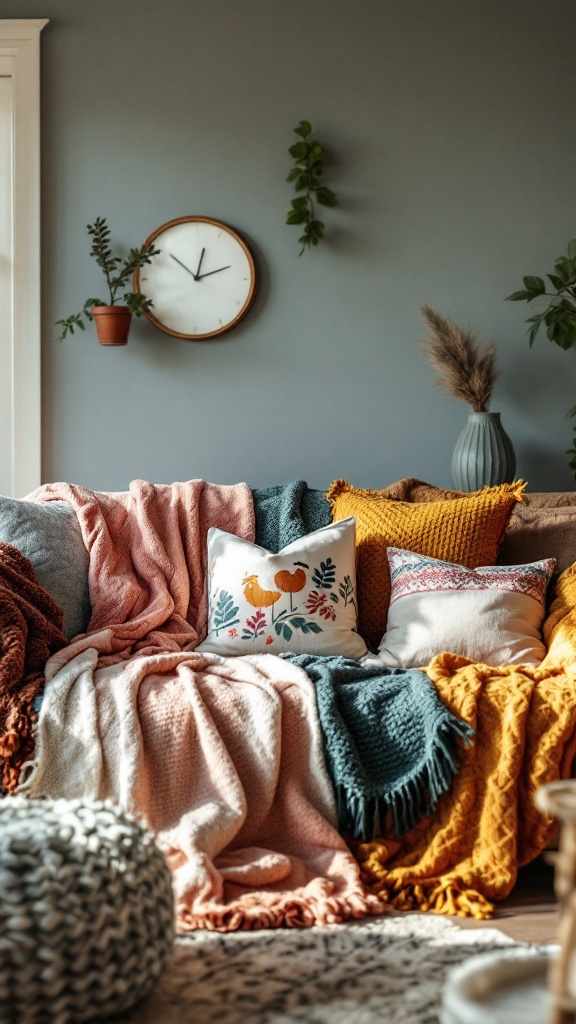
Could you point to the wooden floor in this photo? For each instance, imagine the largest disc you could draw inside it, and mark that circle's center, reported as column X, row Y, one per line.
column 530, row 912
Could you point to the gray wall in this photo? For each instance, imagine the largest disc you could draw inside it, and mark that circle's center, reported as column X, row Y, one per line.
column 451, row 129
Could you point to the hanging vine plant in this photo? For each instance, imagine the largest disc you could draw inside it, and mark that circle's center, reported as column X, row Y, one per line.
column 307, row 175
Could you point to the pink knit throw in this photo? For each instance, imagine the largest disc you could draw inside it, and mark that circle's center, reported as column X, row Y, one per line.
column 222, row 756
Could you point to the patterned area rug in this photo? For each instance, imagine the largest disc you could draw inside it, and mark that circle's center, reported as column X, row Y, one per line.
column 388, row 969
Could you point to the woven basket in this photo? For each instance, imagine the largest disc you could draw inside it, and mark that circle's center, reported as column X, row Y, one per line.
column 86, row 911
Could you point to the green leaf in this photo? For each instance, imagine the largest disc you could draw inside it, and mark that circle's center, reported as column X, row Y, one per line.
column 572, row 249
column 301, row 203
column 533, row 332
column 311, row 627
column 566, row 270
column 520, row 296
column 297, row 217
column 137, row 303
column 561, row 332
column 535, row 285
column 316, row 231
column 303, row 129
column 326, row 197
column 556, row 281
column 299, row 150
column 293, row 174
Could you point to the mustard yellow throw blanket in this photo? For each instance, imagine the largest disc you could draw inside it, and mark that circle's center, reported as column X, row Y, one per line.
column 467, row 855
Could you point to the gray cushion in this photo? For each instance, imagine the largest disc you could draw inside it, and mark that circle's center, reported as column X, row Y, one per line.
column 48, row 533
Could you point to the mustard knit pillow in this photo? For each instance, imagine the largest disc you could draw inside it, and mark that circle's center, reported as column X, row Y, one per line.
column 467, row 530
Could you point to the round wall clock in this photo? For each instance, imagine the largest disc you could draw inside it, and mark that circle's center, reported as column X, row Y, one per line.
column 202, row 282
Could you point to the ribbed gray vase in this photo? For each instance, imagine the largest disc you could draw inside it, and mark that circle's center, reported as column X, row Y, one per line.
column 483, row 456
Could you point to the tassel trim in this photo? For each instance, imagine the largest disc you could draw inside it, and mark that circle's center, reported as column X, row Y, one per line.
column 270, row 910
column 450, row 897
column 363, row 816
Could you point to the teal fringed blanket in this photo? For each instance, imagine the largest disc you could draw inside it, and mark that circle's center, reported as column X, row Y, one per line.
column 286, row 512
column 391, row 744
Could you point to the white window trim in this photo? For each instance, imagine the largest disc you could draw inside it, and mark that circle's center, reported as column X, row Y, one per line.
column 20, row 42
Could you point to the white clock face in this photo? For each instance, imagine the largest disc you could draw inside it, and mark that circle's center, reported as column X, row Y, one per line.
column 202, row 282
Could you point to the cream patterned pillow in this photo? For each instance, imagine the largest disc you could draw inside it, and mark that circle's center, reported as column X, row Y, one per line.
column 302, row 599
column 492, row 614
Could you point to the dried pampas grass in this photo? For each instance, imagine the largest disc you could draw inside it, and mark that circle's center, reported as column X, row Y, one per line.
column 467, row 372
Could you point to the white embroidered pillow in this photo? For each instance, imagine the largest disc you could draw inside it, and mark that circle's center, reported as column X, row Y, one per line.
column 302, row 599
column 492, row 614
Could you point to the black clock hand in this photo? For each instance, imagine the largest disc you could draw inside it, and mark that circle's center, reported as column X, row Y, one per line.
column 198, row 275
column 183, row 265
column 213, row 272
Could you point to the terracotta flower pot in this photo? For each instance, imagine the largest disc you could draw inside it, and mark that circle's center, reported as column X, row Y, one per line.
column 112, row 324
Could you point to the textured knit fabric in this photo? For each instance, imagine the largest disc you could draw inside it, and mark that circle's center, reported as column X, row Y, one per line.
column 467, row 530
column 468, row 853
column 391, row 744
column 543, row 525
column 30, row 631
column 222, row 757
column 410, row 488
column 147, row 549
column 49, row 535
column 286, row 512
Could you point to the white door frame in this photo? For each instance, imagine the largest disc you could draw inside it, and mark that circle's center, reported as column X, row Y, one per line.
column 20, row 342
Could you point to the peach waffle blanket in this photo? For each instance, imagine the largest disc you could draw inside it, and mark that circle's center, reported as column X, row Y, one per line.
column 223, row 757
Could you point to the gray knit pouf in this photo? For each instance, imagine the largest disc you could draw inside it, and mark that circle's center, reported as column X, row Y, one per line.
column 86, row 911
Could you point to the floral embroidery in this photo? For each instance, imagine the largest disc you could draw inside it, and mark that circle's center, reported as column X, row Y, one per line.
column 318, row 603
column 256, row 595
column 346, row 591
column 225, row 611
column 296, row 592
column 255, row 626
column 325, row 576
column 291, row 582
column 328, row 612
column 287, row 623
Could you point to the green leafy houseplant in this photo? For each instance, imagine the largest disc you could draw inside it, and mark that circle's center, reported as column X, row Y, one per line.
column 307, row 175
column 117, row 270
column 559, row 315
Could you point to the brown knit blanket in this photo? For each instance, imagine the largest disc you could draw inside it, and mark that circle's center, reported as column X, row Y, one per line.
column 30, row 631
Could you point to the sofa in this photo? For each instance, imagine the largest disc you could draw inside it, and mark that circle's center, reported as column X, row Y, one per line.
column 231, row 760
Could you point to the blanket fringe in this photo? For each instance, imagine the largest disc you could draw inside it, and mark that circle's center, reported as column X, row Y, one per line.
column 450, row 897
column 365, row 816
column 251, row 912
column 17, row 745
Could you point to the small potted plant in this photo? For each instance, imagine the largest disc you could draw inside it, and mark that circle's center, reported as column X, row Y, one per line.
column 112, row 319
